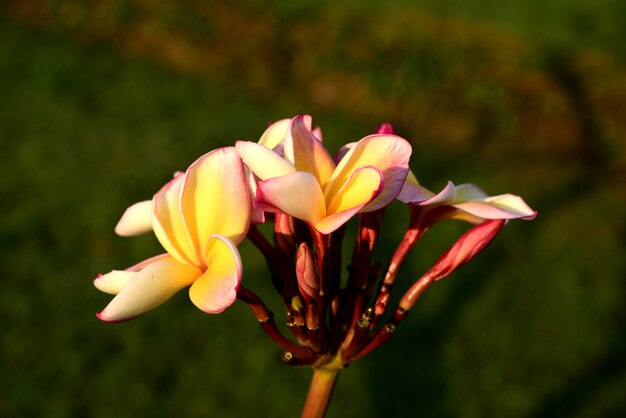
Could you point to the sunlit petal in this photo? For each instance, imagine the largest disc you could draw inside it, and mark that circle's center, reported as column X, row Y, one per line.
column 263, row 162
column 168, row 223
column 363, row 186
column 215, row 198
column 113, row 281
column 415, row 194
column 306, row 152
column 506, row 206
column 136, row 220
column 148, row 289
column 216, row 289
column 388, row 153
column 275, row 133
column 298, row 194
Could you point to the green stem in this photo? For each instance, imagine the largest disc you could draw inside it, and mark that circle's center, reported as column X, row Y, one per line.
column 320, row 392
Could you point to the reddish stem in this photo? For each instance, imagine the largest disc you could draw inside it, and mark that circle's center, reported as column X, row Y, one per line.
column 266, row 321
column 414, row 232
column 381, row 336
column 267, row 249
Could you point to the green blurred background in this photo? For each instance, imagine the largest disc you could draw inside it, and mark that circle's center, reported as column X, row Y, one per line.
column 102, row 101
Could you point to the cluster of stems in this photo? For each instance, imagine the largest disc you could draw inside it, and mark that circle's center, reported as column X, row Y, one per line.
column 334, row 324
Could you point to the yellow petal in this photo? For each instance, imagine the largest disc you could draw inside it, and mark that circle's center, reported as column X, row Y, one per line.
column 387, row 153
column 215, row 198
column 136, row 220
column 307, row 153
column 360, row 188
column 263, row 162
column 275, row 133
column 216, row 289
column 298, row 194
column 168, row 223
column 148, row 289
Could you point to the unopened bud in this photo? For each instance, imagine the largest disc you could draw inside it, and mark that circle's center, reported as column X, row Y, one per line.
column 283, row 228
column 308, row 279
column 465, row 248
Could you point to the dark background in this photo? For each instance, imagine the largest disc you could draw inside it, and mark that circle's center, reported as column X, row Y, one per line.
column 100, row 102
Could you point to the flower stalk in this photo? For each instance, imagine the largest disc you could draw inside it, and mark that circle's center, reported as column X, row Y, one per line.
column 320, row 392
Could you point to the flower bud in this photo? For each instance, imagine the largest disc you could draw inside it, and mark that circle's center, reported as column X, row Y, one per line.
column 465, row 248
column 308, row 279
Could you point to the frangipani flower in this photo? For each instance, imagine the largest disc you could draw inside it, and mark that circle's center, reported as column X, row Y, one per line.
column 202, row 214
column 466, row 202
column 307, row 184
column 199, row 217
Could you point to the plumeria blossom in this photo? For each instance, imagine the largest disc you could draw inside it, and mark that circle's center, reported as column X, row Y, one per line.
column 306, row 183
column 466, row 202
column 199, row 217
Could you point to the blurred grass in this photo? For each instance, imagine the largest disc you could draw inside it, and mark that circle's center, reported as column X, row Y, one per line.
column 101, row 104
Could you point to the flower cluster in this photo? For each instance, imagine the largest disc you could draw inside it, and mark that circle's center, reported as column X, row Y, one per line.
column 288, row 178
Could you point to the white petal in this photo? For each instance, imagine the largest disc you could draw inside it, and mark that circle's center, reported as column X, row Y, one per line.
column 148, row 289
column 113, row 282
column 136, row 220
column 263, row 162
